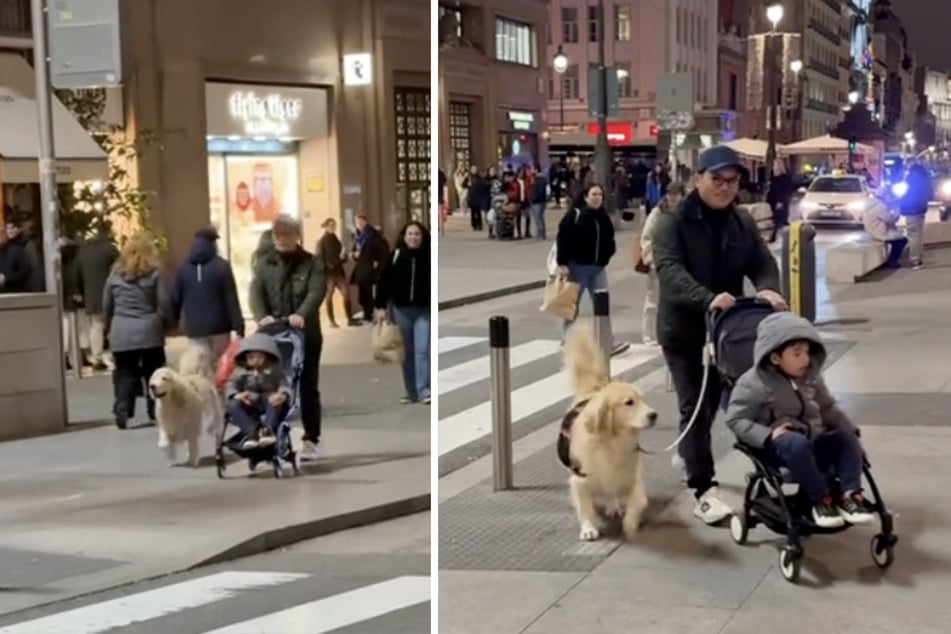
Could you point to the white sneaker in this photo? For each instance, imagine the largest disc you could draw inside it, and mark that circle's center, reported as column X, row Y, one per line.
column 309, row 452
column 711, row 509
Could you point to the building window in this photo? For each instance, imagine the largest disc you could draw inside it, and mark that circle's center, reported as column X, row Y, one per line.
column 514, row 42
column 570, row 84
column 622, row 23
column 593, row 24
column 569, row 26
column 456, row 14
column 624, row 80
column 413, row 152
column 460, row 133
column 734, row 92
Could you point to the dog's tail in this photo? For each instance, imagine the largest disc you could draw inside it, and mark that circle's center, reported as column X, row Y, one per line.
column 195, row 360
column 584, row 360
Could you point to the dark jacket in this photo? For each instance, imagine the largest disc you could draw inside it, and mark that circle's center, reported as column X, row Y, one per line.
column 370, row 259
column 406, row 279
column 692, row 270
column 264, row 381
column 480, row 193
column 539, row 193
column 585, row 236
column 286, row 284
column 919, row 194
column 68, row 253
column 781, row 191
column 206, row 293
column 15, row 266
column 330, row 252
column 93, row 266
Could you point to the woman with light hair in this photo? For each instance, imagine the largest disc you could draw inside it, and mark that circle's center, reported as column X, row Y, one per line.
column 136, row 316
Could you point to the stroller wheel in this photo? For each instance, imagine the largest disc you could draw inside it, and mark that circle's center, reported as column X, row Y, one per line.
column 883, row 551
column 739, row 531
column 790, row 564
column 252, row 465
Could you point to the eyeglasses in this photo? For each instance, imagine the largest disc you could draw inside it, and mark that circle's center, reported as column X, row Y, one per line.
column 722, row 182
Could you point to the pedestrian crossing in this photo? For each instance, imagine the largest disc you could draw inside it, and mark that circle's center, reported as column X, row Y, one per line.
column 531, row 393
column 161, row 609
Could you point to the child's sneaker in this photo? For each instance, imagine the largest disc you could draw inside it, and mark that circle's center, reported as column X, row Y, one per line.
column 854, row 509
column 252, row 441
column 826, row 515
column 267, row 438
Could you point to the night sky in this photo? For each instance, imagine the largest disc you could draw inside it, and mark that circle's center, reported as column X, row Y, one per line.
column 926, row 22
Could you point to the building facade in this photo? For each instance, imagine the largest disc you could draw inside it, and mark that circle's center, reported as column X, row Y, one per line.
column 935, row 87
column 733, row 28
column 320, row 110
column 491, row 84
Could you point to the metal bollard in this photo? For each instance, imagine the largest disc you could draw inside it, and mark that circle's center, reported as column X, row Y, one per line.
column 501, row 394
column 799, row 269
column 75, row 349
column 602, row 323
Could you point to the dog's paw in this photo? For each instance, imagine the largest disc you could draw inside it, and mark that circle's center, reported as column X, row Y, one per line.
column 631, row 528
column 589, row 532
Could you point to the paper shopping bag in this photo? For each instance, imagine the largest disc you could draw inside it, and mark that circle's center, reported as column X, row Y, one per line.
column 561, row 298
column 387, row 342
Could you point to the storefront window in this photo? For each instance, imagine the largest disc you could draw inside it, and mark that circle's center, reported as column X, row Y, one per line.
column 514, row 42
column 518, row 149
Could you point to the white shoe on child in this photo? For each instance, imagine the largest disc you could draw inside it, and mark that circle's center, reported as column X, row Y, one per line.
column 267, row 438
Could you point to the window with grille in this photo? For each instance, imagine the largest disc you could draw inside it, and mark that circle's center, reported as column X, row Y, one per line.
column 460, row 133
column 569, row 26
column 514, row 42
column 622, row 23
column 624, row 80
column 593, row 24
column 413, row 151
column 570, row 83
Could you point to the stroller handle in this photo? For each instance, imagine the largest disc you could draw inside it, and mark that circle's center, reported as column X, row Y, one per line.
column 741, row 302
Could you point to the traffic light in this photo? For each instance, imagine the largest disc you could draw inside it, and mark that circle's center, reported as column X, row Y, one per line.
column 852, row 143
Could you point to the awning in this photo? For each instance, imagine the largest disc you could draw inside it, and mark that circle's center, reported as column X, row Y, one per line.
column 78, row 157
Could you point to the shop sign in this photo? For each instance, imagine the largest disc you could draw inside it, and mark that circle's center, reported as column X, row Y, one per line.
column 357, row 69
column 619, row 133
column 268, row 115
column 521, row 120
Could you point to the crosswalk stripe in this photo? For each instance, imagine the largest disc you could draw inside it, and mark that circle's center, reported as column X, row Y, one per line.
column 471, row 372
column 340, row 610
column 450, row 344
column 151, row 604
column 471, row 424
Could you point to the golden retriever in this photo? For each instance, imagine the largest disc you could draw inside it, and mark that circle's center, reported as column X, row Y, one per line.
column 603, row 432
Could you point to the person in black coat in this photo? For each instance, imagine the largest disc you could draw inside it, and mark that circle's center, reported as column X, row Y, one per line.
column 330, row 251
column 779, row 198
column 206, row 294
column 369, row 252
column 15, row 266
column 93, row 265
column 406, row 286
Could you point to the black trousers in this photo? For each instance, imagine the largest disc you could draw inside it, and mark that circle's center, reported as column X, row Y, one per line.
column 337, row 282
column 365, row 297
column 475, row 217
column 686, row 370
column 133, row 370
column 310, row 406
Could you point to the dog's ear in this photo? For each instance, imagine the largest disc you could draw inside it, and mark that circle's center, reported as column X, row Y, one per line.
column 598, row 416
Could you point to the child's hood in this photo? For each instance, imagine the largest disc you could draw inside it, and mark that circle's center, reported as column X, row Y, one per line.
column 259, row 342
column 780, row 328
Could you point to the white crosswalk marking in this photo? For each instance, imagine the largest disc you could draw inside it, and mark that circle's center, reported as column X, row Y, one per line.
column 475, row 422
column 450, row 344
column 471, row 372
column 339, row 611
column 151, row 604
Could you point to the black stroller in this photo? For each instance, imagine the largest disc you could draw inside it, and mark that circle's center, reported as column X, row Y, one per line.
column 732, row 336
column 290, row 344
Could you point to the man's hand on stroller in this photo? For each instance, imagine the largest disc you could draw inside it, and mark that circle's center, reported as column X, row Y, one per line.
column 296, row 321
column 277, row 399
column 722, row 302
column 267, row 321
column 777, row 301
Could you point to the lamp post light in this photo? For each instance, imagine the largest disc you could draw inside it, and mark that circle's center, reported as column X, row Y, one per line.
column 774, row 13
column 796, row 67
column 560, row 64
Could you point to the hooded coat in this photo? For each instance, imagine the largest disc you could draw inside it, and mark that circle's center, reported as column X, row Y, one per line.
column 264, row 381
column 205, row 292
column 763, row 398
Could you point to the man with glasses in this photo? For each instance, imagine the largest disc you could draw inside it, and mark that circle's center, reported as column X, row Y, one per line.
column 703, row 250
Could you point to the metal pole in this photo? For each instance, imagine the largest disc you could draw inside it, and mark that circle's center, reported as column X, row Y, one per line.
column 48, row 200
column 770, row 105
column 602, row 324
column 501, row 394
column 561, row 94
column 75, row 350
column 602, row 150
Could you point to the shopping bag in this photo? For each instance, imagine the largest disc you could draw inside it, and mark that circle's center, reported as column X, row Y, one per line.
column 561, row 298
column 387, row 342
column 226, row 364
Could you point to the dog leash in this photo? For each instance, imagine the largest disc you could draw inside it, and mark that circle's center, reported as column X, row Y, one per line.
column 701, row 399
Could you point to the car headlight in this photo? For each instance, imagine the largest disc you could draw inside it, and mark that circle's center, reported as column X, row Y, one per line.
column 808, row 205
column 856, row 205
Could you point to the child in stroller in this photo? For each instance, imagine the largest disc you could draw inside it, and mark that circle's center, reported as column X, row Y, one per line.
column 788, row 424
column 258, row 392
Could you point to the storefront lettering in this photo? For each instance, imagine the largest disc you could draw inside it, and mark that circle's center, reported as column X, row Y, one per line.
column 521, row 120
column 271, row 115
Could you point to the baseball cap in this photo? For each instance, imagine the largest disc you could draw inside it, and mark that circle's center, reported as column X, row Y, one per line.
column 720, row 157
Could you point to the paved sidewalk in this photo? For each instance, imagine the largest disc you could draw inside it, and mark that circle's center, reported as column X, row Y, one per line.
column 96, row 507
column 511, row 562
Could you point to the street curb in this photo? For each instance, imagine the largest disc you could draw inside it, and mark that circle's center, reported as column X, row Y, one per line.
column 490, row 295
column 282, row 537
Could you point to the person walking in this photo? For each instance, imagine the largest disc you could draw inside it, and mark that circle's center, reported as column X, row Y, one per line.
column 645, row 264
column 206, row 294
column 914, row 207
column 585, row 245
column 330, row 252
column 94, row 264
column 703, row 250
column 480, row 198
column 405, row 287
column 288, row 283
column 369, row 253
column 779, row 198
column 136, row 314
column 538, row 199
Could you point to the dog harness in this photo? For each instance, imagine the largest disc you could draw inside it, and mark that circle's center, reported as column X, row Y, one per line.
column 564, row 440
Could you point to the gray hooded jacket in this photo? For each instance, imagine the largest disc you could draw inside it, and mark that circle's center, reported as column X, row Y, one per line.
column 763, row 398
column 265, row 381
column 136, row 312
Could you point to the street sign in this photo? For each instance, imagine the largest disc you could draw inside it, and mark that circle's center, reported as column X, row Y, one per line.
column 675, row 92
column 85, row 43
column 594, row 90
column 674, row 120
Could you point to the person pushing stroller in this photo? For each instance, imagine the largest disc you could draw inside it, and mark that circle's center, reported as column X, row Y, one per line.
column 258, row 388
column 782, row 406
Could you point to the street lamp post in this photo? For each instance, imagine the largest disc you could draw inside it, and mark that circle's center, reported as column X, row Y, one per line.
column 602, row 151
column 774, row 13
column 560, row 64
